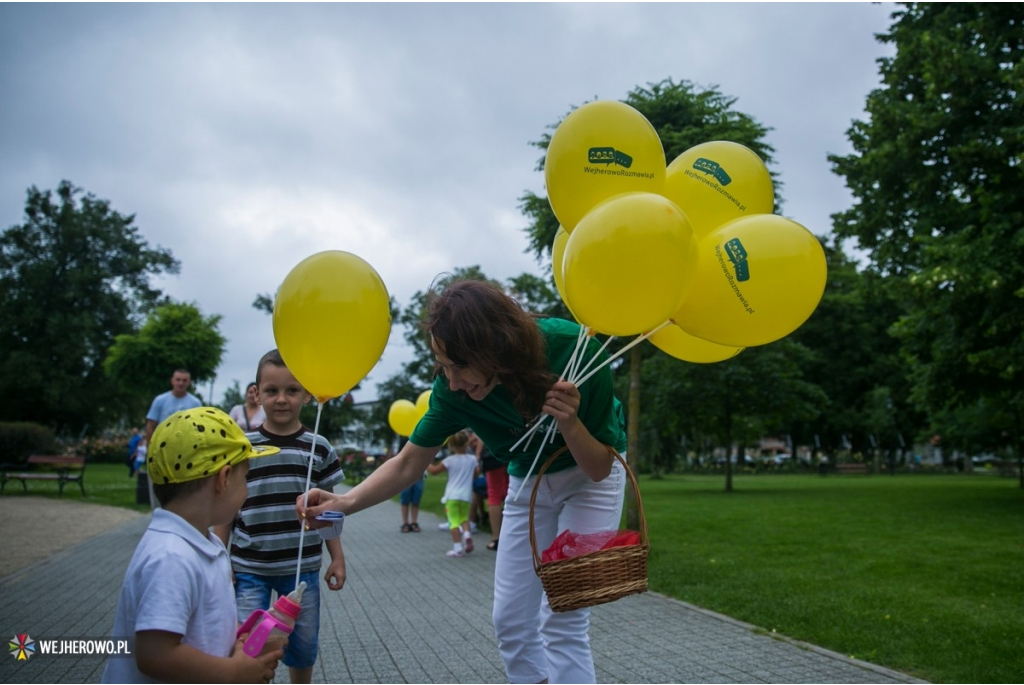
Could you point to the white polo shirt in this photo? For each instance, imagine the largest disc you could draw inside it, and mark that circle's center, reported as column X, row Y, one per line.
column 178, row 581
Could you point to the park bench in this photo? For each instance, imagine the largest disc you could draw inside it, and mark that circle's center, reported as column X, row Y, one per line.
column 852, row 468
column 61, row 468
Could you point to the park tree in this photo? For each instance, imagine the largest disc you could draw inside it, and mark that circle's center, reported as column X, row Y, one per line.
column 73, row 276
column 397, row 387
column 936, row 172
column 757, row 392
column 852, row 323
column 232, row 397
column 175, row 335
column 337, row 414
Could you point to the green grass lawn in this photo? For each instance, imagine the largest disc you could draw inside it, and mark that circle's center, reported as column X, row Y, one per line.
column 917, row 573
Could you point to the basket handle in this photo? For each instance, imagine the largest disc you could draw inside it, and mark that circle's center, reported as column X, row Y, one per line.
column 536, row 484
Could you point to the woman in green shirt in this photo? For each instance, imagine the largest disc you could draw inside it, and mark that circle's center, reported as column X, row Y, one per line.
column 499, row 370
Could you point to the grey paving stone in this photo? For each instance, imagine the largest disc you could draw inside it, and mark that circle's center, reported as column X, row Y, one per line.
column 410, row 614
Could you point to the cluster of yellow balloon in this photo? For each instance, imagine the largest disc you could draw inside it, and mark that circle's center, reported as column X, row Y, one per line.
column 403, row 416
column 694, row 243
column 332, row 320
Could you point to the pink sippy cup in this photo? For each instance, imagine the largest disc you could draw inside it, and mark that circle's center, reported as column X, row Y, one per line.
column 269, row 629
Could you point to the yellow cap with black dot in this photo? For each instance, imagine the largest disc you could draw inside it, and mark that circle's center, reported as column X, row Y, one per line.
column 197, row 443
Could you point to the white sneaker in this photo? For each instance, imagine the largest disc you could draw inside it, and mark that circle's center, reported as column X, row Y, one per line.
column 442, row 526
column 454, row 553
column 472, row 527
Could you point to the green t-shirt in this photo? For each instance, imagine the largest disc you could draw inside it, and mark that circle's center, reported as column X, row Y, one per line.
column 499, row 425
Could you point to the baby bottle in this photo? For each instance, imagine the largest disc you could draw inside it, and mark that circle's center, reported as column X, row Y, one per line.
column 269, row 629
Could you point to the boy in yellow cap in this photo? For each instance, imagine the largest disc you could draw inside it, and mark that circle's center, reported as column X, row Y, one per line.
column 177, row 603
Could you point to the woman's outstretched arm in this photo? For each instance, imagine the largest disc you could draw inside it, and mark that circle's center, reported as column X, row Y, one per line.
column 389, row 479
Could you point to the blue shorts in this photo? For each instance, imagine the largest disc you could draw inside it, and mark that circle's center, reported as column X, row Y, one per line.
column 252, row 592
column 412, row 494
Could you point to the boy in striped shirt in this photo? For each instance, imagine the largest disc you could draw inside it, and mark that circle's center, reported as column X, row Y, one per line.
column 265, row 535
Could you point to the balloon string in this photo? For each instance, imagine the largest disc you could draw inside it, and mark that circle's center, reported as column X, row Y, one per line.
column 577, row 354
column 540, row 449
column 305, row 496
column 639, row 339
column 592, row 359
column 542, row 417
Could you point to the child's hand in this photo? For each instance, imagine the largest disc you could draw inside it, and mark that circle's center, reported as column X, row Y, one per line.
column 335, row 575
column 250, row 670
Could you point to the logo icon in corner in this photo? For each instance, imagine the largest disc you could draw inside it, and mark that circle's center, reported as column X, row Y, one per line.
column 713, row 168
column 738, row 256
column 22, row 647
column 609, row 155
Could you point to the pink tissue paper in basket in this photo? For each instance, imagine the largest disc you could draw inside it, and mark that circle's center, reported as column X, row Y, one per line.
column 569, row 544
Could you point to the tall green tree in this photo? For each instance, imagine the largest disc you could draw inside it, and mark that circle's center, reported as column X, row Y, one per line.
column 852, row 323
column 73, row 276
column 175, row 335
column 936, row 171
column 398, row 387
column 756, row 393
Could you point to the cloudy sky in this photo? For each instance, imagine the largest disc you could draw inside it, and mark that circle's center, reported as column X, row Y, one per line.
column 245, row 138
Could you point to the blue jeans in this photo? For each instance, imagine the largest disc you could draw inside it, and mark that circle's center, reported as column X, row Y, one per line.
column 252, row 592
column 412, row 494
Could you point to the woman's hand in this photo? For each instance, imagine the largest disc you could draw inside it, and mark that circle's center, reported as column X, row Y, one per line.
column 313, row 503
column 563, row 403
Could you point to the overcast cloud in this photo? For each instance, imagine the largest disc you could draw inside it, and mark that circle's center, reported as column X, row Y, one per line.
column 247, row 137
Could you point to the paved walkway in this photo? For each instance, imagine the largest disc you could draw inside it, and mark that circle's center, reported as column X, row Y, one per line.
column 408, row 614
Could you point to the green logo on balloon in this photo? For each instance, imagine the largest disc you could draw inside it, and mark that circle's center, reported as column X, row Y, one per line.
column 738, row 256
column 609, row 155
column 713, row 168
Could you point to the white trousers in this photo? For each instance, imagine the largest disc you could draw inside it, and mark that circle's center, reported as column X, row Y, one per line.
column 536, row 643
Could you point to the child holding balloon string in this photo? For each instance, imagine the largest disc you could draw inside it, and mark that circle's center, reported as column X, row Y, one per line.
column 498, row 367
column 265, row 538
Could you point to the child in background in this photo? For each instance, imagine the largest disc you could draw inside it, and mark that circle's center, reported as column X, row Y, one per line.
column 176, row 600
column 461, row 466
column 265, row 544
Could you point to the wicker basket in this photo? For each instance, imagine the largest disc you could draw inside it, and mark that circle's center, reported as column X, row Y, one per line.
column 598, row 577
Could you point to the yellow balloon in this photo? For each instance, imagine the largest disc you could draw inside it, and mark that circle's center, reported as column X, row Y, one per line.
column 402, row 417
column 758, row 279
column 422, row 404
column 331, row 322
column 601, row 149
column 629, row 264
column 717, row 182
column 676, row 342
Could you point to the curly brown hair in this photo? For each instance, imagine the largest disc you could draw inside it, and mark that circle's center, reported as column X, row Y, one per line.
column 481, row 327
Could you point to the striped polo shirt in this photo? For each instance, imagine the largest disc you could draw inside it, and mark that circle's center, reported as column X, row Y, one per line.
column 266, row 531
